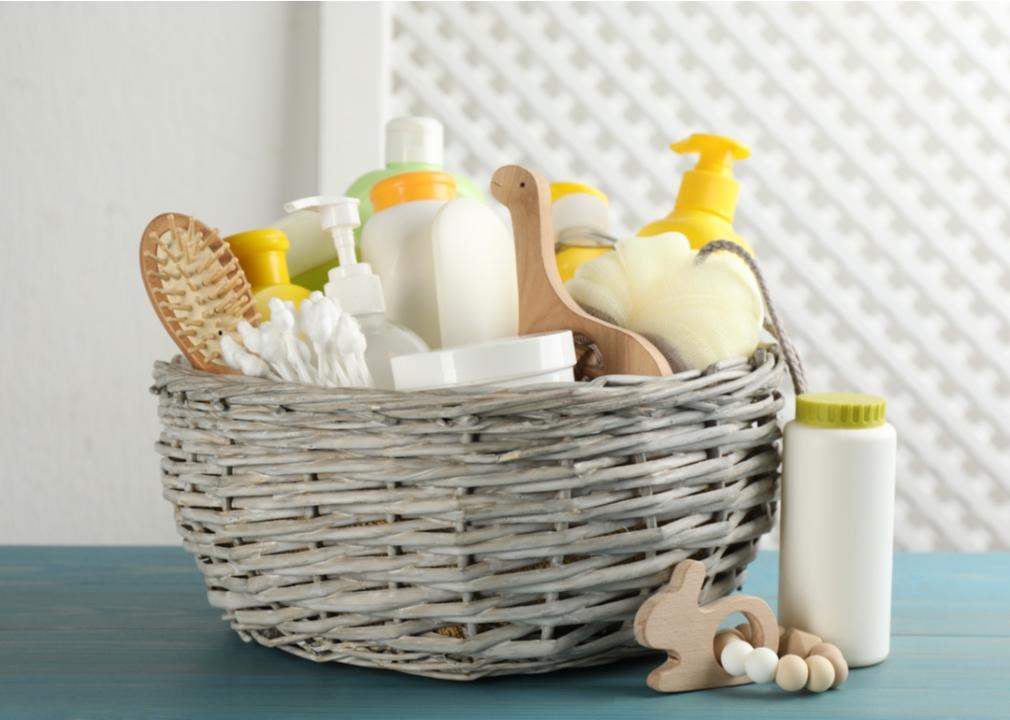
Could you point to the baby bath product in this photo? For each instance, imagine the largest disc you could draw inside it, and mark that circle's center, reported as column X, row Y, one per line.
column 357, row 290
column 412, row 144
column 507, row 362
column 447, row 264
column 318, row 345
column 696, row 313
column 707, row 198
column 544, row 304
column 261, row 253
column 837, row 523
column 196, row 286
column 581, row 217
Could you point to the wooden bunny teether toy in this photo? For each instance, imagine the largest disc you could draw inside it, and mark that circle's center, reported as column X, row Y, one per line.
column 672, row 620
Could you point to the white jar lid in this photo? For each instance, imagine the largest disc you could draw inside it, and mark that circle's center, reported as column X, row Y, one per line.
column 495, row 362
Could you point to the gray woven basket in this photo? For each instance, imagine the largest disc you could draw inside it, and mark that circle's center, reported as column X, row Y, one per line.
column 460, row 534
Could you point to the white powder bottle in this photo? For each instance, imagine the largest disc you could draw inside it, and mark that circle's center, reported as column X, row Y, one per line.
column 838, row 523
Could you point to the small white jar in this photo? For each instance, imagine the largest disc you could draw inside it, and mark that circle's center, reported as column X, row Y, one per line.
column 506, row 362
column 838, row 523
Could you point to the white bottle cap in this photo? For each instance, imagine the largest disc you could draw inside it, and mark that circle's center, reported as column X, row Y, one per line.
column 580, row 210
column 414, row 140
column 508, row 362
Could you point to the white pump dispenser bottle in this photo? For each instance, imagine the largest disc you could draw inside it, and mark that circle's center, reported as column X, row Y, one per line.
column 358, row 289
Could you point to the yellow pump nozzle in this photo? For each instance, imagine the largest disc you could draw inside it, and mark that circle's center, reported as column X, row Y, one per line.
column 710, row 186
column 717, row 152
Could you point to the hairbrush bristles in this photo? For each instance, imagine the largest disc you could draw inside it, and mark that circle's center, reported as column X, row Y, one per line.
column 196, row 286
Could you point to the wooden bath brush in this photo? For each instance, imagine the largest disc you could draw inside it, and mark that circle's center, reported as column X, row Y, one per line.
column 544, row 304
column 196, row 286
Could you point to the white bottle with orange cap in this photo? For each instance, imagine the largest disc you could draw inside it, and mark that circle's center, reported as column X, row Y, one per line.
column 447, row 264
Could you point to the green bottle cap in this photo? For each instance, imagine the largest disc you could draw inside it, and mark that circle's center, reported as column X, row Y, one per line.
column 840, row 410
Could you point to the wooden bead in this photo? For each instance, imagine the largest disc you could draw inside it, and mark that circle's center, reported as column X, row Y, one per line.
column 798, row 642
column 792, row 673
column 822, row 673
column 837, row 660
column 733, row 657
column 761, row 665
column 744, row 630
column 723, row 638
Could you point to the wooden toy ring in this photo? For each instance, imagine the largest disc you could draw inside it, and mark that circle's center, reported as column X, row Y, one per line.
column 672, row 620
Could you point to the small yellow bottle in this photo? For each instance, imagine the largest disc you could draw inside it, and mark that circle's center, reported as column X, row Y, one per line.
column 262, row 254
column 581, row 217
column 708, row 193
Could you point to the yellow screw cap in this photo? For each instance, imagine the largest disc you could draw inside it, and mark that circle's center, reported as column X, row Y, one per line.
column 840, row 410
column 561, row 189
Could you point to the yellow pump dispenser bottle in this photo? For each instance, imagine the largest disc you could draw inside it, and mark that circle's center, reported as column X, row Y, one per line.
column 262, row 254
column 707, row 197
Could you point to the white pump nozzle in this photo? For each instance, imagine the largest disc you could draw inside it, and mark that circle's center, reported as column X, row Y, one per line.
column 337, row 215
column 352, row 283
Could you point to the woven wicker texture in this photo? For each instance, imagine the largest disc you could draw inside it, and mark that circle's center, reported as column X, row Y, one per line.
column 461, row 534
column 877, row 197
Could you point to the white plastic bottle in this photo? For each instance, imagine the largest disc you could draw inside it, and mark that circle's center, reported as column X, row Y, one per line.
column 359, row 290
column 838, row 523
column 412, row 143
column 447, row 264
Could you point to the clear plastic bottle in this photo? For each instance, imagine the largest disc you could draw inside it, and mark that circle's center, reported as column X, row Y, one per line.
column 385, row 341
column 359, row 290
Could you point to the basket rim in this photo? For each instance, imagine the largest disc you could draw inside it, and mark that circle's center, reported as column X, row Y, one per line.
column 767, row 357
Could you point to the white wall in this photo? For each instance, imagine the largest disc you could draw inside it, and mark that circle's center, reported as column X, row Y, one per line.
column 111, row 114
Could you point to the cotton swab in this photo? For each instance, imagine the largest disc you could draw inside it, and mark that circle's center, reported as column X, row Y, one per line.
column 237, row 357
column 286, row 326
column 319, row 321
column 316, row 343
column 351, row 345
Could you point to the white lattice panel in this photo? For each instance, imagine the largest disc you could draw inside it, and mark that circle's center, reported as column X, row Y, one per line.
column 877, row 197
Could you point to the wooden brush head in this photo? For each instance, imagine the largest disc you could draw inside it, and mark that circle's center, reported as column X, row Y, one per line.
column 196, row 286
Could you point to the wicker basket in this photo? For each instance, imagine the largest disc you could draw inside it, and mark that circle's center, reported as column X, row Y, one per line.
column 463, row 534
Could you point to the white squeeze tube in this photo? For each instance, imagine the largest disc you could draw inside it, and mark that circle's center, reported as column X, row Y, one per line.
column 358, row 290
column 836, row 552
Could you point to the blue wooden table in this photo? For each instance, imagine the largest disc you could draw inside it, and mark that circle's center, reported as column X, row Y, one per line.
column 127, row 633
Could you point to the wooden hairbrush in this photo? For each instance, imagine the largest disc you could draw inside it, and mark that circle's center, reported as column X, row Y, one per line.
column 196, row 286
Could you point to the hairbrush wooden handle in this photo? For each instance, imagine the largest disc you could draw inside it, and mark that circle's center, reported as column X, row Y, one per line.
column 544, row 304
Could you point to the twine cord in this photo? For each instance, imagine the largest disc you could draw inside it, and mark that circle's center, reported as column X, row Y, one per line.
column 774, row 323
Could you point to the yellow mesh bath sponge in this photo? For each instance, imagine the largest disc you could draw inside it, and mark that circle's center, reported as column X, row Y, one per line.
column 696, row 313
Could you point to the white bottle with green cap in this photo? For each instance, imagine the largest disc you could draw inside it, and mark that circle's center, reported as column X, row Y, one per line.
column 838, row 523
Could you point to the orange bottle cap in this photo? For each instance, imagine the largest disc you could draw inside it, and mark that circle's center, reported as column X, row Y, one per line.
column 408, row 187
